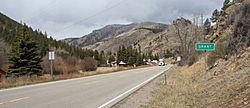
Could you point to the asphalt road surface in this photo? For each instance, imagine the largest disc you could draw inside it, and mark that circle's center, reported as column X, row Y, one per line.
column 87, row 92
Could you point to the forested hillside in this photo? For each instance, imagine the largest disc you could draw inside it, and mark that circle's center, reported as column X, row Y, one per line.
column 11, row 31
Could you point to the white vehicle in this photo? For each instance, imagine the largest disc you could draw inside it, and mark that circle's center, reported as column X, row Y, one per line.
column 161, row 62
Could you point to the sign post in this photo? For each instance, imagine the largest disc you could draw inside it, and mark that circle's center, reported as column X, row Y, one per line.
column 52, row 58
column 205, row 47
column 165, row 79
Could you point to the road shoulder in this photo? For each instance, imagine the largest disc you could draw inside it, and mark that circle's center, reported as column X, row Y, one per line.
column 142, row 96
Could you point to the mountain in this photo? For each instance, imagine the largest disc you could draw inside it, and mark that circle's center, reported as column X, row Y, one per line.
column 99, row 35
column 148, row 36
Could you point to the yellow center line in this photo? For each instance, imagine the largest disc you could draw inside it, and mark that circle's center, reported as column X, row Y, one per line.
column 14, row 100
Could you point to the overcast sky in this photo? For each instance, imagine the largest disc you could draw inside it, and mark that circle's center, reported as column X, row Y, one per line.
column 75, row 18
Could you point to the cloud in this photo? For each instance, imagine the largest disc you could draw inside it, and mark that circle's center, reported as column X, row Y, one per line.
column 74, row 18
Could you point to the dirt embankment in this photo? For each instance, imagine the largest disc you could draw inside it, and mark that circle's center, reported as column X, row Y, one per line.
column 225, row 86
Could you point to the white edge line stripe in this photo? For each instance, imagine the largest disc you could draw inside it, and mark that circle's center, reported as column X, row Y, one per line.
column 132, row 89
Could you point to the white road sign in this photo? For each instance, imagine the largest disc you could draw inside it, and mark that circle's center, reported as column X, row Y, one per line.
column 51, row 55
column 178, row 59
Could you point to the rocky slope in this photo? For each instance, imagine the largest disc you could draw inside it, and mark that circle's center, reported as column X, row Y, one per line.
column 232, row 28
column 142, row 35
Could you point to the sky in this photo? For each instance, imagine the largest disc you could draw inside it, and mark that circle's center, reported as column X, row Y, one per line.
column 76, row 18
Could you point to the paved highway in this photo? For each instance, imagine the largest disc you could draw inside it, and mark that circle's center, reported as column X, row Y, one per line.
column 89, row 92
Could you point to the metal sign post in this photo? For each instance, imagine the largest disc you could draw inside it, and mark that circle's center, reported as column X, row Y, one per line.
column 205, row 47
column 51, row 59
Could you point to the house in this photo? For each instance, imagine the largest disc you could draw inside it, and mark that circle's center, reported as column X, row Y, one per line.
column 122, row 64
column 154, row 62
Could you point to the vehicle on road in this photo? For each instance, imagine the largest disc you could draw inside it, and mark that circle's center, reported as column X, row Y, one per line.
column 161, row 62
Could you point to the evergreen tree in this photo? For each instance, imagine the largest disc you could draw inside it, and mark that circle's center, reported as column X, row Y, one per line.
column 207, row 26
column 226, row 4
column 130, row 55
column 131, row 60
column 111, row 59
column 139, row 60
column 25, row 58
column 96, row 55
column 215, row 16
column 124, row 54
column 119, row 55
column 150, row 55
column 102, row 58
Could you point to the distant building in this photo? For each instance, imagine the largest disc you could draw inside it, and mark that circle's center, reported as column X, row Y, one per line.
column 122, row 63
column 154, row 61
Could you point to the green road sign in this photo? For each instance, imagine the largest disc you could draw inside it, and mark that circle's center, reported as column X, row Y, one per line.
column 204, row 46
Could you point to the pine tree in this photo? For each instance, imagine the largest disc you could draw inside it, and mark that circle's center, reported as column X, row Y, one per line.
column 139, row 60
column 102, row 58
column 124, row 54
column 111, row 58
column 207, row 26
column 226, row 4
column 150, row 55
column 215, row 16
column 25, row 58
column 131, row 60
column 119, row 55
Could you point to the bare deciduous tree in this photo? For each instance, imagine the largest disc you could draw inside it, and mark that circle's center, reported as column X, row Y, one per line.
column 89, row 64
column 187, row 36
column 71, row 60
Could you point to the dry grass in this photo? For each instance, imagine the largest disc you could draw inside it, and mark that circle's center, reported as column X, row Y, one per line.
column 225, row 86
column 177, row 93
column 7, row 83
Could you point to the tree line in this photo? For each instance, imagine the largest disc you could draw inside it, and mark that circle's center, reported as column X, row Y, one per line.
column 134, row 56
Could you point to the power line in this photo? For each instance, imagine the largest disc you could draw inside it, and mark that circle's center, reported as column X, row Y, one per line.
column 91, row 16
column 43, row 10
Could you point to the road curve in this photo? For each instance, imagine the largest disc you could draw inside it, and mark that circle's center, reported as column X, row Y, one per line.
column 87, row 92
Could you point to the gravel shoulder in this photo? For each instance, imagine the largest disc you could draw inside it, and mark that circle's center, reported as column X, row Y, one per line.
column 142, row 96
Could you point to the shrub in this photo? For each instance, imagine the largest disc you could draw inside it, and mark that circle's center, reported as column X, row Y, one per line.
column 219, row 52
column 71, row 60
column 89, row 64
column 211, row 59
column 192, row 58
column 45, row 64
column 66, row 69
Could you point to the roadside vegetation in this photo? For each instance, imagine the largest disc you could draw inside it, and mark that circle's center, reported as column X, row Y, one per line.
column 220, row 78
column 225, row 86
